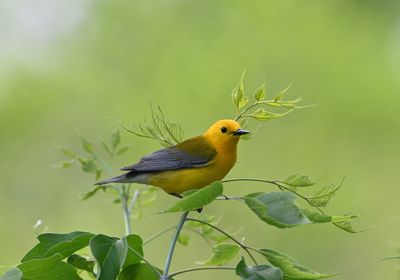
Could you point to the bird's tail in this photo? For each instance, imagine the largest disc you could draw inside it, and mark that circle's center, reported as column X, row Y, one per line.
column 118, row 179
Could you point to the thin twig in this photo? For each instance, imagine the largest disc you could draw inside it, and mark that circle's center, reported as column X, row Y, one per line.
column 172, row 245
column 244, row 247
column 201, row 268
column 158, row 234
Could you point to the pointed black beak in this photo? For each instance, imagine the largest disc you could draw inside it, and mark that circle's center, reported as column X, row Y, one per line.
column 241, row 132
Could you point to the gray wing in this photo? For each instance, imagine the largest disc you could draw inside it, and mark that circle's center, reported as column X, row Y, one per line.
column 170, row 159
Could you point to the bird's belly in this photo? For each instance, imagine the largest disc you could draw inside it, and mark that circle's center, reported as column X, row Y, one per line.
column 179, row 181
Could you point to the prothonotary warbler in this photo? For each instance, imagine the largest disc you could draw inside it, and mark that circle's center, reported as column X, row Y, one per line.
column 191, row 164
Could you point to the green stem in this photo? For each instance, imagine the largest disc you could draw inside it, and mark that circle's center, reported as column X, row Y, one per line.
column 202, row 268
column 158, row 234
column 125, row 209
column 172, row 245
column 244, row 247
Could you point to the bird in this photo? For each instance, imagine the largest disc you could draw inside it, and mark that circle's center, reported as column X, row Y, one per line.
column 192, row 164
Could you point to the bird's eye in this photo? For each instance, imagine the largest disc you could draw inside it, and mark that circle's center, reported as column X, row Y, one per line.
column 223, row 129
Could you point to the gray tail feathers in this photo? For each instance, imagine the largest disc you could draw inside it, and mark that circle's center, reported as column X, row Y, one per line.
column 118, row 179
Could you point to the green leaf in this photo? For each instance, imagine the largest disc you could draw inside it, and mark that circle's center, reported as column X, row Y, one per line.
column 135, row 250
column 222, row 254
column 88, row 165
column 68, row 153
column 347, row 226
column 183, row 239
column 122, row 150
column 64, row 164
column 298, row 180
column 260, row 93
column 93, row 191
column 81, row 263
column 198, row 199
column 317, row 217
column 238, row 97
column 262, row 115
column 110, row 254
column 53, row 243
column 51, row 268
column 291, row 269
column 105, row 146
column 258, row 272
column 86, row 145
column 13, row 274
column 281, row 94
column 276, row 208
column 324, row 195
column 139, row 272
column 115, row 139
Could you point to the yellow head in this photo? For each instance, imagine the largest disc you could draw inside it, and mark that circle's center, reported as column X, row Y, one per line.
column 225, row 133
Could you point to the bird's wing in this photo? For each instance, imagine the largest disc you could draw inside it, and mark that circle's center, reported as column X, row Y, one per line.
column 194, row 152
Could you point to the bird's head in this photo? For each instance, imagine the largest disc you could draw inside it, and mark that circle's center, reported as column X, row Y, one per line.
column 225, row 133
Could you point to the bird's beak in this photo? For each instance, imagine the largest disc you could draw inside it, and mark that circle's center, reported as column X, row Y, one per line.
column 241, row 132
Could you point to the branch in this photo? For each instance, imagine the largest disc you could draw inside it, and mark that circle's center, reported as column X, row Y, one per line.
column 202, row 268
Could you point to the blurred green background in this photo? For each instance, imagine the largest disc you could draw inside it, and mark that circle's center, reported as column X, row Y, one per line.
column 68, row 65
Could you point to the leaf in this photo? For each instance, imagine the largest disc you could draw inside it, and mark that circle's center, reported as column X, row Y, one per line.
column 81, row 263
column 63, row 244
column 347, row 226
column 51, row 268
column 86, row 145
column 276, row 208
column 64, row 164
column 110, row 254
column 105, row 146
column 281, row 94
column 92, row 192
column 183, row 239
column 135, row 249
column 324, row 195
column 258, row 272
column 68, row 153
column 198, row 199
column 238, row 97
column 298, row 180
column 13, row 274
column 122, row 150
column 88, row 165
column 260, row 93
column 115, row 139
column 222, row 254
column 291, row 269
column 262, row 115
column 140, row 272
column 316, row 217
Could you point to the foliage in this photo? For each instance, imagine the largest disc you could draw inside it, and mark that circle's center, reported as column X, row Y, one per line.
column 58, row 256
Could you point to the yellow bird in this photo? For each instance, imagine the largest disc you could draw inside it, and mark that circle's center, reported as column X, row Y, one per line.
column 191, row 164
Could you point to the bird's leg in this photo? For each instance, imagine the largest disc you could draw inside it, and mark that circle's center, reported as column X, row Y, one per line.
column 180, row 197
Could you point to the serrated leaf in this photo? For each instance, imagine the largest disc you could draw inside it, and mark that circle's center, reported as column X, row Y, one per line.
column 110, row 254
column 81, row 263
column 53, row 243
column 260, row 93
column 258, row 272
column 183, row 239
column 198, row 199
column 86, row 145
column 222, row 254
column 298, row 180
column 122, row 150
column 140, row 272
column 323, row 196
column 135, row 250
column 12, row 274
column 51, row 268
column 291, row 269
column 276, row 208
column 115, row 139
column 281, row 94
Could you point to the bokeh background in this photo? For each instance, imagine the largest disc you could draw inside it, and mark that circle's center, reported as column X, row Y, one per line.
column 68, row 65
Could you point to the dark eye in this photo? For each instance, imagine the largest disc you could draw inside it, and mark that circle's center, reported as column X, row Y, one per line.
column 223, row 129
